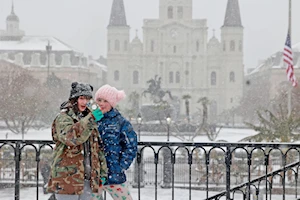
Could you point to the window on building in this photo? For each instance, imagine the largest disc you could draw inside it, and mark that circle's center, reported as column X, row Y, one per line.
column 161, row 46
column 174, row 49
column 232, row 45
column 116, row 75
column 66, row 60
column 152, row 46
column 125, row 45
column 180, row 12
column 224, row 46
column 117, row 45
column 177, row 77
column 213, row 78
column 135, row 77
column 197, row 46
column 171, row 78
column 170, row 12
column 187, row 43
column 240, row 46
column 232, row 77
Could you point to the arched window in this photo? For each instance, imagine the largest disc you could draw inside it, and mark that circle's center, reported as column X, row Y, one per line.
column 240, row 46
column 197, row 46
column 125, row 45
column 213, row 78
column 116, row 75
column 177, row 77
column 108, row 45
column 232, row 45
column 232, row 77
column 186, row 72
column 171, row 78
column 152, row 46
column 170, row 12
column 224, row 46
column 135, row 77
column 180, row 12
column 174, row 49
column 117, row 45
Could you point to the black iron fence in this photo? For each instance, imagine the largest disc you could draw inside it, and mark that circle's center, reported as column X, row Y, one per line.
column 223, row 170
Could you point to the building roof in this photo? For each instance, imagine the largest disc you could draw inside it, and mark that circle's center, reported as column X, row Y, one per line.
column 232, row 16
column 117, row 15
column 35, row 43
column 12, row 16
column 97, row 64
column 275, row 61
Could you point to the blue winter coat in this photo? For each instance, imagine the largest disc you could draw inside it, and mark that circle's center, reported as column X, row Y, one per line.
column 120, row 145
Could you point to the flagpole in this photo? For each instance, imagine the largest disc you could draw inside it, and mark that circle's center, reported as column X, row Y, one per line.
column 290, row 31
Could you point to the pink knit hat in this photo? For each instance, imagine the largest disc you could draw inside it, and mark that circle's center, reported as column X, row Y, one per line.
column 110, row 94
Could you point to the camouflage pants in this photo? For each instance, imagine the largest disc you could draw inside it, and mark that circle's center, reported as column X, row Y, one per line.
column 87, row 194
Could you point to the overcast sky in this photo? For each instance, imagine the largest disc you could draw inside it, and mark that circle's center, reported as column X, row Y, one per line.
column 82, row 23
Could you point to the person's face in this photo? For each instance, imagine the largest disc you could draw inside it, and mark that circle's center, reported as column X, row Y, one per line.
column 104, row 105
column 81, row 103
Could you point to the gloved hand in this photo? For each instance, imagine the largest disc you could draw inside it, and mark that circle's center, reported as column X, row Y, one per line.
column 94, row 108
column 103, row 180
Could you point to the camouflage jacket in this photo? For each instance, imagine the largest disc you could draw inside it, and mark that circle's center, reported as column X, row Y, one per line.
column 67, row 169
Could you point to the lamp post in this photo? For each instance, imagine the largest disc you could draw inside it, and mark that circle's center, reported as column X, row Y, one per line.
column 168, row 119
column 139, row 122
column 48, row 49
column 139, row 164
column 167, row 165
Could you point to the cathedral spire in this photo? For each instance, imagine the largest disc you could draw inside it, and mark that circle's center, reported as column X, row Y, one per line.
column 117, row 15
column 12, row 16
column 232, row 16
column 12, row 7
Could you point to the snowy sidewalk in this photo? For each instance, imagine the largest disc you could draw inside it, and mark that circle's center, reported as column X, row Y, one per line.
column 147, row 193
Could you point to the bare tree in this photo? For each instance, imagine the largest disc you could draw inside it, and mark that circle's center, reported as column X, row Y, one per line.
column 56, row 91
column 274, row 122
column 22, row 97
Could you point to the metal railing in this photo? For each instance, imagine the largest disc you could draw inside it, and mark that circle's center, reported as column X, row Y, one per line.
column 222, row 170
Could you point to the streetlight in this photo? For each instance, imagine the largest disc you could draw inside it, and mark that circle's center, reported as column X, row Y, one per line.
column 48, row 49
column 168, row 126
column 167, row 166
column 139, row 167
column 139, row 122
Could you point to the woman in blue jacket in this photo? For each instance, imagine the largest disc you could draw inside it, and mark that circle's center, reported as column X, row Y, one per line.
column 119, row 139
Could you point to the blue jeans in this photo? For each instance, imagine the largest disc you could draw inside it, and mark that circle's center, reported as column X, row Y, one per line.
column 86, row 195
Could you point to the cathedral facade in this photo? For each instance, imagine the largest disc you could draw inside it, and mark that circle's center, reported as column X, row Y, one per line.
column 176, row 48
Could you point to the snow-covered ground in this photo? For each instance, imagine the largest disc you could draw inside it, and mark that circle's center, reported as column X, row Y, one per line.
column 147, row 193
column 228, row 134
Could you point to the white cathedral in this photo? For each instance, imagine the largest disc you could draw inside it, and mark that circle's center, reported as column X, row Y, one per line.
column 176, row 47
